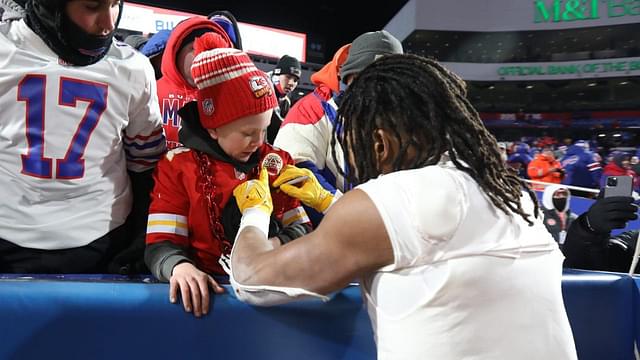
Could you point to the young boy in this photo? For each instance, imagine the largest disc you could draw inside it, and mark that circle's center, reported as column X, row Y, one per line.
column 224, row 145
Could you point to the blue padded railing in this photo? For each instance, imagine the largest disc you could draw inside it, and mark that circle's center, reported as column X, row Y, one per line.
column 102, row 317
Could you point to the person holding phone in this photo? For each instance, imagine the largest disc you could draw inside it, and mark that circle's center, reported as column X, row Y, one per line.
column 589, row 244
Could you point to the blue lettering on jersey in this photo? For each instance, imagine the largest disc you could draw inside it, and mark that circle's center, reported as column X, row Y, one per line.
column 31, row 90
column 170, row 109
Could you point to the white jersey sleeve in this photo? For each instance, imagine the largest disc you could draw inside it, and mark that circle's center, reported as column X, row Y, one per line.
column 144, row 141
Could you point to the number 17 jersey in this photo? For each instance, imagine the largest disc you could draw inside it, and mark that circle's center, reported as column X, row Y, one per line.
column 68, row 135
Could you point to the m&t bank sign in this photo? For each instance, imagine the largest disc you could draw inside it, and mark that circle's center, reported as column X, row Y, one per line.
column 583, row 10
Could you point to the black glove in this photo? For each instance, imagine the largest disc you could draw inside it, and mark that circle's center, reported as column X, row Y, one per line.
column 611, row 213
column 621, row 249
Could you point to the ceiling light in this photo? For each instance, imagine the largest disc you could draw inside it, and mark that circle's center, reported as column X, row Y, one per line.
column 529, row 86
column 592, row 84
column 491, row 87
column 624, row 82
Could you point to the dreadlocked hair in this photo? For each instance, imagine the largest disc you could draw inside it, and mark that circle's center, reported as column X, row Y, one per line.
column 424, row 106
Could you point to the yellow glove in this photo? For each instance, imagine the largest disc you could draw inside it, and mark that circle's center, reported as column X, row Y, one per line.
column 303, row 185
column 255, row 194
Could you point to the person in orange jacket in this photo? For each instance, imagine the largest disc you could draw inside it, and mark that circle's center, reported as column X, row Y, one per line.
column 545, row 168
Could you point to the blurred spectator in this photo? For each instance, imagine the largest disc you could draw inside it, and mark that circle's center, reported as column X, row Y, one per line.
column 520, row 158
column 502, row 146
column 154, row 48
column 620, row 165
column 545, row 168
column 228, row 22
column 177, row 87
column 589, row 244
column 136, row 41
column 556, row 201
column 285, row 78
column 635, row 164
column 581, row 168
column 560, row 151
column 546, row 141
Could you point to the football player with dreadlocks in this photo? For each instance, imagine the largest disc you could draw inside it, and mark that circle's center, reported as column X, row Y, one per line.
column 81, row 133
column 453, row 258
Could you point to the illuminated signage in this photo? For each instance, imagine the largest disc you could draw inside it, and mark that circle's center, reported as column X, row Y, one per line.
column 570, row 68
column 580, row 10
column 256, row 39
column 558, row 70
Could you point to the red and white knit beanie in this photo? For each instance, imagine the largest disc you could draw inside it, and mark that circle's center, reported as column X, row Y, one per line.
column 230, row 86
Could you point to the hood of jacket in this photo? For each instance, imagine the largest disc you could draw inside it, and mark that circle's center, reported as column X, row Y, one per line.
column 328, row 75
column 547, row 197
column 169, row 67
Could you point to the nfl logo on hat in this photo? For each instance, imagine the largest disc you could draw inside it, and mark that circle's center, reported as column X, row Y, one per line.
column 207, row 106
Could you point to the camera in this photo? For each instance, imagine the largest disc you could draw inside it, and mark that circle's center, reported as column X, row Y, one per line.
column 612, row 181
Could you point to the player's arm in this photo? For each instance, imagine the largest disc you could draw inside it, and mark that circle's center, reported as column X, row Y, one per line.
column 351, row 241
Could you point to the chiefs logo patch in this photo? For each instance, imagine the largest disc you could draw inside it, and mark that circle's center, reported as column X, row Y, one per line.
column 551, row 222
column 260, row 86
column 273, row 163
column 239, row 174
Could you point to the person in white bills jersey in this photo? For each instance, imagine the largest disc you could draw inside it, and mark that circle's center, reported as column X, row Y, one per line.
column 79, row 137
column 454, row 260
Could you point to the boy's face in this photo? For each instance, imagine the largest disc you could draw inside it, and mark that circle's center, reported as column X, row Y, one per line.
column 244, row 136
column 96, row 17
column 184, row 60
column 288, row 83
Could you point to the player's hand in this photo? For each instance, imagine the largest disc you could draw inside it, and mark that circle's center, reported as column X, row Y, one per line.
column 255, row 194
column 304, row 186
column 193, row 285
column 610, row 213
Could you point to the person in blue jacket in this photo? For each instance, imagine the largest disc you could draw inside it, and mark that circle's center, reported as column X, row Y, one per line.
column 581, row 167
column 520, row 159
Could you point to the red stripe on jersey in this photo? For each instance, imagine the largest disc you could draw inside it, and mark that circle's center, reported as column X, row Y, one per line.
column 593, row 167
column 145, row 163
column 143, row 137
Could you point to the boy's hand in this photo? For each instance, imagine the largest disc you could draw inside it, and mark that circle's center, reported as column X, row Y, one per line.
column 255, row 194
column 194, row 288
column 303, row 185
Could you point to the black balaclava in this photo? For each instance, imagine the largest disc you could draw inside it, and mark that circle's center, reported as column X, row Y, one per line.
column 559, row 203
column 48, row 19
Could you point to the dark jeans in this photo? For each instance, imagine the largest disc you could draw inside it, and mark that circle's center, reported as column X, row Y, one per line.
column 91, row 258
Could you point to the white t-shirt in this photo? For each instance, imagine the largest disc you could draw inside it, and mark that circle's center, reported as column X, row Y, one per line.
column 68, row 134
column 468, row 281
